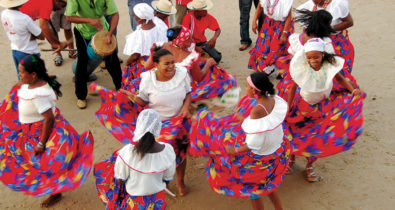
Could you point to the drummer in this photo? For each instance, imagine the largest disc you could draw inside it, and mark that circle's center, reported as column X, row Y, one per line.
column 88, row 17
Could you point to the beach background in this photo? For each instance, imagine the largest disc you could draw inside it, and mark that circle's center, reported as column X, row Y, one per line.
column 361, row 178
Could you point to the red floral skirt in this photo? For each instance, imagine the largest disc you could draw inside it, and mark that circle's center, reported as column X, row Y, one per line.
column 132, row 72
column 65, row 164
column 343, row 47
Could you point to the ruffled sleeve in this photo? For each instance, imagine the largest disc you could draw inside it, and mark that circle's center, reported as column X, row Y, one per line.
column 294, row 44
column 121, row 170
column 169, row 174
column 144, row 85
column 134, row 43
column 43, row 98
column 341, row 9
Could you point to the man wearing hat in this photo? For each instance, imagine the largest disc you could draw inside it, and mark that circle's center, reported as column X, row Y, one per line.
column 21, row 31
column 163, row 8
column 42, row 10
column 88, row 16
column 198, row 20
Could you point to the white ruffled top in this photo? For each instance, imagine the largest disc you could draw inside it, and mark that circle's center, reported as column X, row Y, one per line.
column 34, row 102
column 265, row 135
column 141, row 41
column 145, row 176
column 159, row 23
column 295, row 44
column 167, row 98
column 189, row 60
column 281, row 10
column 314, row 85
column 337, row 8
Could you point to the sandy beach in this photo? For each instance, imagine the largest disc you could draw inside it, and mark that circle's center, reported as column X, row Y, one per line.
column 361, row 178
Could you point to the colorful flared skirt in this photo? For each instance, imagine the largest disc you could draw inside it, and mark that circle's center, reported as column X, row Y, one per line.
column 268, row 48
column 327, row 128
column 118, row 114
column 132, row 72
column 245, row 175
column 343, row 47
column 65, row 164
column 114, row 195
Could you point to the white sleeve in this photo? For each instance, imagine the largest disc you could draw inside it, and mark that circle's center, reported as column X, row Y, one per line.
column 342, row 9
column 253, row 141
column 143, row 89
column 32, row 27
column 187, row 83
column 169, row 173
column 134, row 42
column 121, row 170
column 43, row 103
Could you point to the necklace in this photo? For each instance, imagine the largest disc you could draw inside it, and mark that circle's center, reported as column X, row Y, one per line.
column 319, row 76
column 324, row 6
column 270, row 7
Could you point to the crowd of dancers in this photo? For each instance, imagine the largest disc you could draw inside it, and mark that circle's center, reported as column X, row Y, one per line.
column 314, row 111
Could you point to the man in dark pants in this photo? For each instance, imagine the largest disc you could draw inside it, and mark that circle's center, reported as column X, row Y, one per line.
column 245, row 8
column 88, row 16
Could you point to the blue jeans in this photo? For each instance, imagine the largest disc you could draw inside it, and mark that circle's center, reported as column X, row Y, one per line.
column 245, row 8
column 18, row 56
column 131, row 4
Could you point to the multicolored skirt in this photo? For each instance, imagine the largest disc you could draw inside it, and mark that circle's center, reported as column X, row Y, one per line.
column 118, row 114
column 215, row 83
column 343, row 47
column 132, row 72
column 268, row 48
column 114, row 195
column 245, row 175
column 65, row 164
column 327, row 128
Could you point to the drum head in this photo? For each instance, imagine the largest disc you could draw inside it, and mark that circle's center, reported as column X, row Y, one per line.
column 100, row 46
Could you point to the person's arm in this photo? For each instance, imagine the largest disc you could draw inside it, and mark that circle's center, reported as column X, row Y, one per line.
column 211, row 43
column 185, row 110
column 92, row 21
column 236, row 150
column 113, row 26
column 347, row 22
column 49, row 34
column 134, row 98
column 258, row 13
column 287, row 26
column 347, row 84
column 149, row 64
column 132, row 58
column 291, row 93
column 48, row 123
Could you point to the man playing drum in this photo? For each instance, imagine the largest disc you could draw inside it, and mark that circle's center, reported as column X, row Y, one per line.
column 88, row 16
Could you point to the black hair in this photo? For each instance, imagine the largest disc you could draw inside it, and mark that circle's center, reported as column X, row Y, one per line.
column 262, row 82
column 317, row 23
column 330, row 58
column 33, row 63
column 172, row 33
column 159, row 52
column 145, row 144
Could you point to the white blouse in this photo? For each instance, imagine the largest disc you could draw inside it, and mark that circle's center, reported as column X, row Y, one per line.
column 34, row 102
column 141, row 41
column 167, row 98
column 280, row 11
column 315, row 86
column 161, row 24
column 145, row 176
column 295, row 44
column 337, row 8
column 265, row 135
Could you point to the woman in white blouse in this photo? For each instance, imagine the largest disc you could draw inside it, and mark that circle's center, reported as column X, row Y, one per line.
column 141, row 170
column 341, row 21
column 41, row 153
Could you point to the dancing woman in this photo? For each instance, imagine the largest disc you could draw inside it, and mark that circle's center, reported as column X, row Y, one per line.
column 272, row 39
column 322, row 121
column 136, row 176
column 341, row 21
column 139, row 43
column 40, row 152
column 166, row 89
column 248, row 152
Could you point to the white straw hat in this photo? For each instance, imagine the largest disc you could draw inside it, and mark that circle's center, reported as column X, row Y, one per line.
column 164, row 6
column 12, row 3
column 200, row 5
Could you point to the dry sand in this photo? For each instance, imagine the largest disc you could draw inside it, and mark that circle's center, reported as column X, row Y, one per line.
column 362, row 178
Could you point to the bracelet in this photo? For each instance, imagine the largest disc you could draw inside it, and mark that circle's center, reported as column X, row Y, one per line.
column 354, row 91
column 236, row 149
column 40, row 145
column 285, row 32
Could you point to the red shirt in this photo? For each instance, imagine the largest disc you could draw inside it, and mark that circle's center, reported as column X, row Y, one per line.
column 38, row 9
column 199, row 26
column 183, row 2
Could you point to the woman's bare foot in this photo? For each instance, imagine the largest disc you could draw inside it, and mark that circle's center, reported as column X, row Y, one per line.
column 53, row 199
column 182, row 189
column 311, row 176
